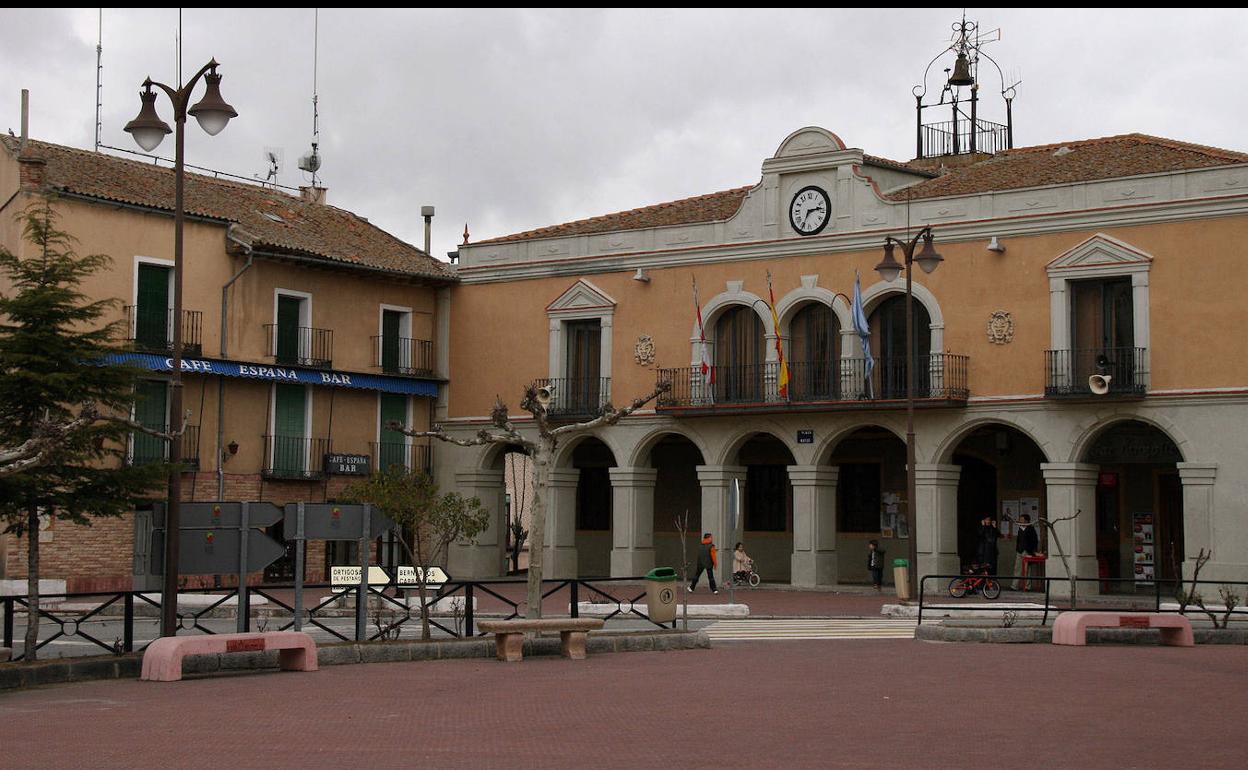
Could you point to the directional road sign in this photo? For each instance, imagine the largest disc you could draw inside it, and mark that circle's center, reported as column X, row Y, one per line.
column 215, row 515
column 331, row 521
column 216, row 551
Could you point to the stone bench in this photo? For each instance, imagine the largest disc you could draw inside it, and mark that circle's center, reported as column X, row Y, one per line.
column 509, row 635
column 162, row 660
column 1071, row 628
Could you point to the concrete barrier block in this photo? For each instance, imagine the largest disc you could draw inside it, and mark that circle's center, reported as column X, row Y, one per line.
column 386, row 652
column 338, row 654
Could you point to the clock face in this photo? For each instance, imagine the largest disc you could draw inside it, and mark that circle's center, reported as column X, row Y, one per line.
column 808, row 212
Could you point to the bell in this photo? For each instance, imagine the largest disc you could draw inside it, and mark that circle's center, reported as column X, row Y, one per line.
column 961, row 72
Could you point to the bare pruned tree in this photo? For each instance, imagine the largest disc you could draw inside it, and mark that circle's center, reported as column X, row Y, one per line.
column 541, row 450
column 1050, row 528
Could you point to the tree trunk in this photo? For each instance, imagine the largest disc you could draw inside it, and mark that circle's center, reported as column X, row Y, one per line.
column 32, row 583
column 537, row 533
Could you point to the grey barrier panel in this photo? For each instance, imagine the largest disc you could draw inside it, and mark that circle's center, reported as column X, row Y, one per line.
column 216, row 552
column 212, row 515
column 331, row 521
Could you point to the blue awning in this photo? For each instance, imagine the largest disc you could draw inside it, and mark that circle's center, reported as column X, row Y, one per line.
column 328, row 378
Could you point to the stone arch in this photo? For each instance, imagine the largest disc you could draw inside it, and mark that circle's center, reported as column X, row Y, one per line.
column 640, row 456
column 788, row 305
column 1088, row 432
column 490, row 457
column 735, row 295
column 949, row 444
column 563, row 455
column 728, row 449
column 807, row 140
column 879, row 291
column 827, row 447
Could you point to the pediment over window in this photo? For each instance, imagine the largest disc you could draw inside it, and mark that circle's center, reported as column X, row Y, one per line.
column 581, row 296
column 1101, row 252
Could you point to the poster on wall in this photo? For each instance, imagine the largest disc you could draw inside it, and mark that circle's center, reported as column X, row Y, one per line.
column 1143, row 548
column 1009, row 516
column 892, row 518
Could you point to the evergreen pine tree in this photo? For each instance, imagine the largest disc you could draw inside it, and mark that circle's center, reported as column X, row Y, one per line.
column 53, row 351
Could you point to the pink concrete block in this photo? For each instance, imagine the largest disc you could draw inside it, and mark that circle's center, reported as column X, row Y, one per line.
column 162, row 660
column 1071, row 628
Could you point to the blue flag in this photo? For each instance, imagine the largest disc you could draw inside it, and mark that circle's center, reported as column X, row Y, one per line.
column 863, row 330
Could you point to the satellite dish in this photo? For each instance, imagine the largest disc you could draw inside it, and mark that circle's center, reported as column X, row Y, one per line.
column 311, row 162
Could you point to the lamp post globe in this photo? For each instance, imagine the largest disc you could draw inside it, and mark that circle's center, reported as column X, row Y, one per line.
column 148, row 129
column 212, row 112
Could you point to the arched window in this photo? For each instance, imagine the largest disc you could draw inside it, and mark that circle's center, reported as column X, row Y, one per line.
column 888, row 345
column 739, row 358
column 814, row 352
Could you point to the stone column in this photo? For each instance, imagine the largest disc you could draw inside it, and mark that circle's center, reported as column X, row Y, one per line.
column 1071, row 487
column 632, row 521
column 560, row 550
column 936, row 515
column 716, row 481
column 1198, row 530
column 484, row 558
column 814, row 524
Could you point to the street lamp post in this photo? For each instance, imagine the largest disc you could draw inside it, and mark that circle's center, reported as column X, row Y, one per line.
column 889, row 269
column 148, row 131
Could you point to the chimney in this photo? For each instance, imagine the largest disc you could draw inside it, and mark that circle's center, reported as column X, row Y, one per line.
column 30, row 169
column 427, row 213
column 314, row 194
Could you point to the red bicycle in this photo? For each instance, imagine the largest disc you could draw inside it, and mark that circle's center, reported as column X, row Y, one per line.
column 975, row 579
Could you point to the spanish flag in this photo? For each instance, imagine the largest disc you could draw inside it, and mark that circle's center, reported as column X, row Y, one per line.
column 783, row 380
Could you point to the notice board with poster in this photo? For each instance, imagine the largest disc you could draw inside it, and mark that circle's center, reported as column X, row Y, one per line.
column 1143, row 548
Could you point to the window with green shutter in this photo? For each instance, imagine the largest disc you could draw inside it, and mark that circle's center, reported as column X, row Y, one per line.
column 289, row 311
column 151, row 318
column 289, row 429
column 391, row 342
column 150, row 411
column 393, row 446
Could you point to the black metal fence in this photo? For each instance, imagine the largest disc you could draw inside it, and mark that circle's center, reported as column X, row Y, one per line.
column 938, row 377
column 953, row 138
column 300, row 346
column 413, row 456
column 151, row 329
column 1163, row 593
column 294, row 457
column 403, row 355
column 1069, row 371
column 573, row 397
column 389, row 613
column 145, row 449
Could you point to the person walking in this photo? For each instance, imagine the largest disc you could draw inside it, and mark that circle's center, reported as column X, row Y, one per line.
column 707, row 561
column 987, row 551
column 1027, row 543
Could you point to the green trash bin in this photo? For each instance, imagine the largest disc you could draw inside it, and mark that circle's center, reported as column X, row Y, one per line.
column 661, row 594
column 901, row 578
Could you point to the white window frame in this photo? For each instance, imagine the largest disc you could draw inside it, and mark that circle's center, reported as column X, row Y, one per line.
column 134, row 293
column 305, row 317
column 1099, row 257
column 583, row 301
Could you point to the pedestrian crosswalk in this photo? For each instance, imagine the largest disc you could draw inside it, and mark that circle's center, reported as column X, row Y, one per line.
column 810, row 628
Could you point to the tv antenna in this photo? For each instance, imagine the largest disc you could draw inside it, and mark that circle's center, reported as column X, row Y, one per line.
column 311, row 163
column 274, row 157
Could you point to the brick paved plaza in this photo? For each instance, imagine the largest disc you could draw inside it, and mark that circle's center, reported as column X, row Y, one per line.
column 795, row 704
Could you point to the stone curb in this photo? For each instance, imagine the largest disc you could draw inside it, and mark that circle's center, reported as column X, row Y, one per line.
column 61, row 670
column 935, row 632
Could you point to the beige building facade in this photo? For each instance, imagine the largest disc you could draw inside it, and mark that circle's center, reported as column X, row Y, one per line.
column 1114, row 257
column 306, row 329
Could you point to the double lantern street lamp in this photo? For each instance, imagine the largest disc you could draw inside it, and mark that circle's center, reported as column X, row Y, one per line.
column 148, row 130
column 889, row 269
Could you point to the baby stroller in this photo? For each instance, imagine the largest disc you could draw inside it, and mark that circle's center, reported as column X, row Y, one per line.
column 749, row 577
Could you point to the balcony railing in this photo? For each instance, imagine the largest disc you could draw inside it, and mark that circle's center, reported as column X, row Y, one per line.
column 145, row 449
column 152, row 330
column 403, row 355
column 576, row 397
column 1070, row 370
column 941, row 379
column 301, row 346
column 950, row 138
column 414, row 457
column 294, row 457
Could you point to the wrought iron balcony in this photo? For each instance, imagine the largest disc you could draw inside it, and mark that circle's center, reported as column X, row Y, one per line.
column 576, row 398
column 403, row 355
column 152, row 330
column 145, row 449
column 940, row 380
column 300, row 346
column 956, row 137
column 413, row 456
column 1069, row 372
column 294, row 457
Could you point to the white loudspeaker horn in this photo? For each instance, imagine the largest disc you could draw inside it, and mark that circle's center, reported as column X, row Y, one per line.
column 1099, row 383
column 545, row 395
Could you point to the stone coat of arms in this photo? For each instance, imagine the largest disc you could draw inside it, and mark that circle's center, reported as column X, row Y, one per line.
column 643, row 353
column 1001, row 328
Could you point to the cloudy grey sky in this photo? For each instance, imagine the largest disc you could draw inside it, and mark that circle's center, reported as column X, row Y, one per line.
column 511, row 119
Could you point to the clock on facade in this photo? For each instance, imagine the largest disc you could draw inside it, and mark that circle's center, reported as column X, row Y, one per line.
column 809, row 211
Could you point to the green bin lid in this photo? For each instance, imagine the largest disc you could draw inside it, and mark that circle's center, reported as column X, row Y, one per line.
column 901, row 562
column 662, row 574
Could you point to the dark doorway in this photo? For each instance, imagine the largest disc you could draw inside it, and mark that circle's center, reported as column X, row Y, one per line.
column 977, row 498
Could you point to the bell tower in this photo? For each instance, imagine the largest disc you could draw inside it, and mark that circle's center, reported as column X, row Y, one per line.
column 960, row 136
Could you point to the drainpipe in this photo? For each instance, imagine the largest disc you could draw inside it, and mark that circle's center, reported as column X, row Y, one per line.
column 225, row 314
